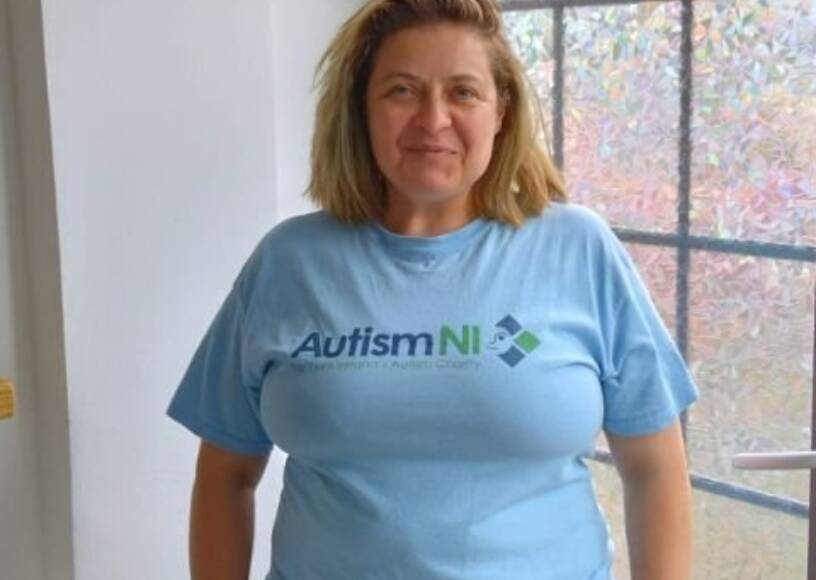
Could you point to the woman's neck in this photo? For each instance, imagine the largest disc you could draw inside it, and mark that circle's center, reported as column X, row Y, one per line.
column 432, row 219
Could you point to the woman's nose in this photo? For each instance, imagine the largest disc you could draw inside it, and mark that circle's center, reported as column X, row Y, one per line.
column 433, row 114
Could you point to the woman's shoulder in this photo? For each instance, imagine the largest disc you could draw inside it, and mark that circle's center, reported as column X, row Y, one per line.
column 285, row 246
column 303, row 231
column 571, row 221
column 286, row 237
column 300, row 226
column 569, row 214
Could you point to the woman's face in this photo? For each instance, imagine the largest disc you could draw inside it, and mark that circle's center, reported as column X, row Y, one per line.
column 433, row 112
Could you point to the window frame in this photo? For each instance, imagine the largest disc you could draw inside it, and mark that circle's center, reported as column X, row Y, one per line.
column 682, row 240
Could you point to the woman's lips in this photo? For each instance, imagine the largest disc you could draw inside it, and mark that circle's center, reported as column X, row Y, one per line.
column 429, row 149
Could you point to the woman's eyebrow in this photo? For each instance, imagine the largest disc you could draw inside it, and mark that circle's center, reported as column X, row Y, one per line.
column 458, row 78
column 466, row 77
column 400, row 75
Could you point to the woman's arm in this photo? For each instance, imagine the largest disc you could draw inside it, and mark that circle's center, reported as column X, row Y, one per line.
column 222, row 515
column 657, row 503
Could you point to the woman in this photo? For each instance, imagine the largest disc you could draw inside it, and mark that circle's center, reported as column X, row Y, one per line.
column 439, row 346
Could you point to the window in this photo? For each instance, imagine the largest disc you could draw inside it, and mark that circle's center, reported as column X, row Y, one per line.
column 691, row 126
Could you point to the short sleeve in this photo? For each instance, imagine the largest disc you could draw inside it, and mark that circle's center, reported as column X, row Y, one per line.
column 646, row 383
column 218, row 398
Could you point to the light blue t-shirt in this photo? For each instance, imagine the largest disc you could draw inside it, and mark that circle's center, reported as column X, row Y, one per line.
column 436, row 396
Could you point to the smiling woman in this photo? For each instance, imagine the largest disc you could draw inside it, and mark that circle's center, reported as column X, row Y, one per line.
column 510, row 327
column 437, row 120
column 432, row 120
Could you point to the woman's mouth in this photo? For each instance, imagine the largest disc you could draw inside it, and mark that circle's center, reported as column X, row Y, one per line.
column 430, row 150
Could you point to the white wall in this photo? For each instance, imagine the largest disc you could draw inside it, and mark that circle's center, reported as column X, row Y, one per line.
column 174, row 150
column 163, row 157
column 302, row 31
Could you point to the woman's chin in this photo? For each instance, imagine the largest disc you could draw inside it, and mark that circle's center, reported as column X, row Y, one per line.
column 429, row 191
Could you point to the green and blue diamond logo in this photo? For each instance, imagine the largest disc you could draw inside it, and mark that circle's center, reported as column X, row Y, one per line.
column 512, row 342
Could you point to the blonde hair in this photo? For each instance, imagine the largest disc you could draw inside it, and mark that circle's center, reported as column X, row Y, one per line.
column 520, row 179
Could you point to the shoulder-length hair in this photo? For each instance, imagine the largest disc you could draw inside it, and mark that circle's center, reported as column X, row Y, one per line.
column 520, row 179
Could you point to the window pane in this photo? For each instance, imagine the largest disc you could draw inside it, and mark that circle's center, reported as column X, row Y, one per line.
column 731, row 539
column 530, row 33
column 753, row 177
column 738, row 540
column 622, row 111
column 754, row 122
column 658, row 268
column 751, row 343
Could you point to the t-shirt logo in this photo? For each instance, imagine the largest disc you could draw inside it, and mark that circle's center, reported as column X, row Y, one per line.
column 511, row 341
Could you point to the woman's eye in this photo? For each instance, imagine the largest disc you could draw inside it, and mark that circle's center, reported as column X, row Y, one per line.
column 465, row 93
column 400, row 90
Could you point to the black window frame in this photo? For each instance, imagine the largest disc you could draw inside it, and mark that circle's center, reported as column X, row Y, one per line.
column 682, row 240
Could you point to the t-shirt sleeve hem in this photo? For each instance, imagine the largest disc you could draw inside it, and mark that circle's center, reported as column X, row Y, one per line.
column 651, row 423
column 217, row 437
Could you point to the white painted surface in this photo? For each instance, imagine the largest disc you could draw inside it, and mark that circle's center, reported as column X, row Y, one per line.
column 303, row 30
column 179, row 134
column 164, row 165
